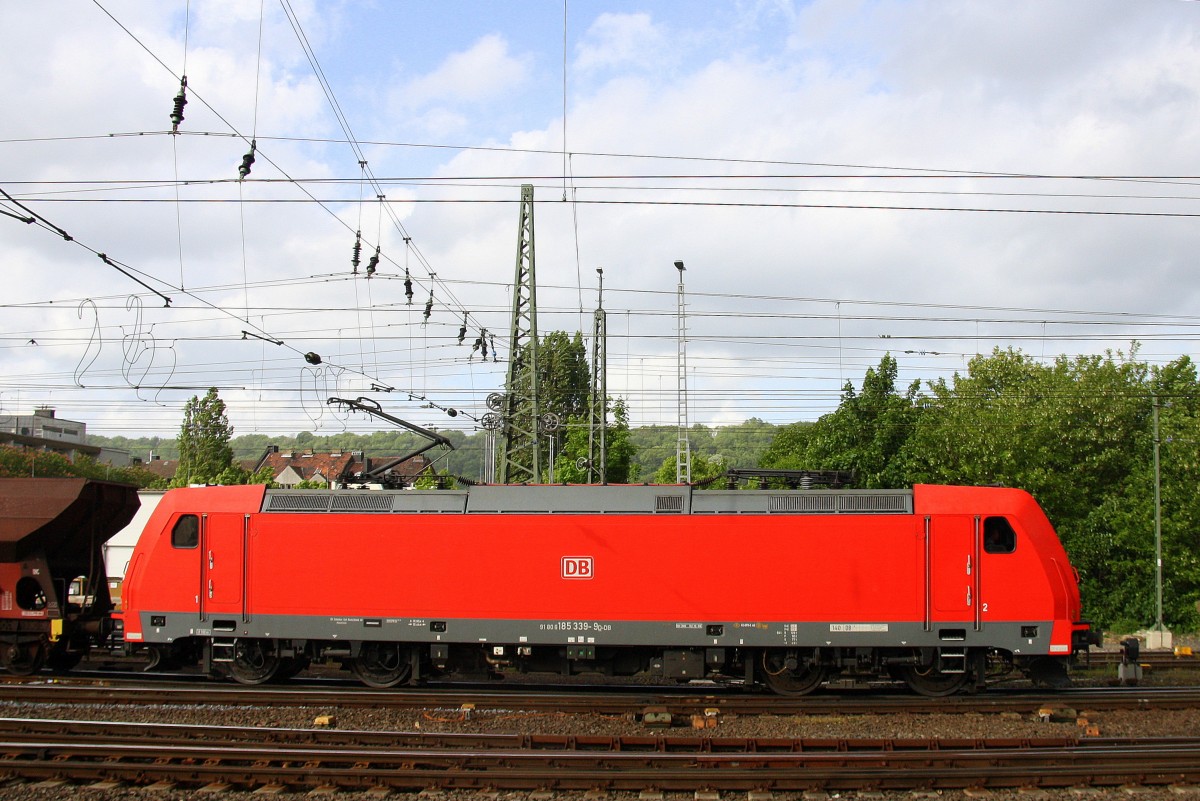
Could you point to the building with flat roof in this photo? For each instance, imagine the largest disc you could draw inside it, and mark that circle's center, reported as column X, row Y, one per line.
column 45, row 431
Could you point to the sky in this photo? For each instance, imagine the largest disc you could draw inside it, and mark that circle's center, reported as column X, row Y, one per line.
column 842, row 180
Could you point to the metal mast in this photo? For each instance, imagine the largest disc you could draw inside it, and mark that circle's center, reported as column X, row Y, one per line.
column 683, row 452
column 598, row 408
column 519, row 462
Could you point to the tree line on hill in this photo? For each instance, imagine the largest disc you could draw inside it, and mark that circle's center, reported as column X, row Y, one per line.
column 740, row 445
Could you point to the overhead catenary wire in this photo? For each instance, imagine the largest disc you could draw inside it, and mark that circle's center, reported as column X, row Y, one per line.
column 453, row 304
column 249, row 159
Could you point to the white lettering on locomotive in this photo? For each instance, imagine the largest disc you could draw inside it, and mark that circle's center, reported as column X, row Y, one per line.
column 577, row 567
column 871, row 627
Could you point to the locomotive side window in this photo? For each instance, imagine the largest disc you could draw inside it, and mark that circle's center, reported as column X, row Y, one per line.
column 998, row 535
column 186, row 533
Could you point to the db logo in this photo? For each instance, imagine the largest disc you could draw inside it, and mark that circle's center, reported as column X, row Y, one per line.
column 577, row 567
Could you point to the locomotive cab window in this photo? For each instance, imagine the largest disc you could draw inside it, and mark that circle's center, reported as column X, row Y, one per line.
column 998, row 535
column 186, row 533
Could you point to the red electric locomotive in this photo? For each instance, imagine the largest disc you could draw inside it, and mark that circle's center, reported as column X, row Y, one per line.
column 937, row 586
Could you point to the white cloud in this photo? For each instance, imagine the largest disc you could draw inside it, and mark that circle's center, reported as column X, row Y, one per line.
column 622, row 41
column 480, row 74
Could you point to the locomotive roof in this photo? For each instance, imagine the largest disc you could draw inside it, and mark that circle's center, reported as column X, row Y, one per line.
column 594, row 499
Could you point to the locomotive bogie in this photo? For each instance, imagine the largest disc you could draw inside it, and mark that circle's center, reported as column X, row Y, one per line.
column 934, row 586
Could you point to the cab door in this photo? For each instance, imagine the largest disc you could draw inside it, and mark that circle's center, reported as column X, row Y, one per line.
column 223, row 543
column 952, row 569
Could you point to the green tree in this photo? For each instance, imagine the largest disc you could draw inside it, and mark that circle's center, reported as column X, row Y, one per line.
column 705, row 470
column 564, row 381
column 789, row 448
column 867, row 433
column 742, row 444
column 1066, row 432
column 654, row 444
column 618, row 448
column 205, row 454
column 22, row 463
column 1114, row 545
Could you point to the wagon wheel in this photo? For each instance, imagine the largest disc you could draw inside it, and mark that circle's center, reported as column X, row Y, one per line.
column 24, row 659
column 933, row 683
column 382, row 664
column 254, row 661
column 62, row 660
column 801, row 680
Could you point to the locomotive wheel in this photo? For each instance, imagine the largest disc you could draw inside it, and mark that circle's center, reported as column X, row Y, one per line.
column 1049, row 671
column 381, row 664
column 160, row 659
column 291, row 667
column 254, row 661
column 24, row 659
column 800, row 681
column 932, row 684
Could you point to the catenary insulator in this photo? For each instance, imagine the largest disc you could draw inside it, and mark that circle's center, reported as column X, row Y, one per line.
column 180, row 102
column 248, row 159
column 373, row 264
column 354, row 260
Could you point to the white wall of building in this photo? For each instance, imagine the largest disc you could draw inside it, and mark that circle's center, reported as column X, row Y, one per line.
column 119, row 550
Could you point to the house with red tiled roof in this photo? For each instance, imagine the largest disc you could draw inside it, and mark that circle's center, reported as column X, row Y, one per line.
column 163, row 468
column 290, row 467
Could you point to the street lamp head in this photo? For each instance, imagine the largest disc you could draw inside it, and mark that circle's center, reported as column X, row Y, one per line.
column 679, row 266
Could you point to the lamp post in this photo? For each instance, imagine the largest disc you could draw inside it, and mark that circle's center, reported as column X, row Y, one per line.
column 1158, row 560
column 683, row 451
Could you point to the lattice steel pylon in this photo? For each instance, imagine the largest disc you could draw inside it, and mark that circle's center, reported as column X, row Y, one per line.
column 519, row 460
column 598, row 402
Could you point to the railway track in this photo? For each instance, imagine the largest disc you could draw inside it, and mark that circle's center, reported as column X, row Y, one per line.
column 1153, row 660
column 606, row 701
column 39, row 752
column 211, row 757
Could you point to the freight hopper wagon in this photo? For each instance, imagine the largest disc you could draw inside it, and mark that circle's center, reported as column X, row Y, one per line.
column 52, row 532
column 937, row 586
